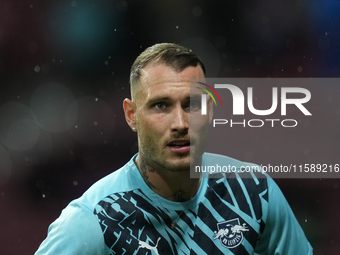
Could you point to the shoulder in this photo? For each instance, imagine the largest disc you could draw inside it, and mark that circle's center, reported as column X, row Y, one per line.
column 75, row 231
column 122, row 180
column 78, row 221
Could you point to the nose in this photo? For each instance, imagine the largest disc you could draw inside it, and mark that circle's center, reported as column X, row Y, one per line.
column 180, row 120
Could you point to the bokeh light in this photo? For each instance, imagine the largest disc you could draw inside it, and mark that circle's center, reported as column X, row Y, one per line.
column 81, row 32
column 50, row 104
column 18, row 128
column 22, row 135
column 5, row 166
column 39, row 154
column 95, row 121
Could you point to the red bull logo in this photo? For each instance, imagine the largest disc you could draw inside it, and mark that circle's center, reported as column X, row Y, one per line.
column 230, row 233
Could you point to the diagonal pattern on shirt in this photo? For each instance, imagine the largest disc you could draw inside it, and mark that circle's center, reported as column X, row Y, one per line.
column 132, row 223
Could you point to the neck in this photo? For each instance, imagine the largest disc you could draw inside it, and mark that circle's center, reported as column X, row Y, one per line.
column 171, row 185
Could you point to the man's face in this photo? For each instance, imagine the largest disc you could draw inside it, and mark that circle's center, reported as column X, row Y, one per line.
column 162, row 115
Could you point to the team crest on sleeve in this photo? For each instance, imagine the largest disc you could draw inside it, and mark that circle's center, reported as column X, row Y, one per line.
column 230, row 233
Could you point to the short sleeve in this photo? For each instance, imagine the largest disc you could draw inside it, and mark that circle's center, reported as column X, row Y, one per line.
column 75, row 232
column 282, row 234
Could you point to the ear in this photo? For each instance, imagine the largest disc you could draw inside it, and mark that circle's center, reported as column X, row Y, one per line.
column 129, row 110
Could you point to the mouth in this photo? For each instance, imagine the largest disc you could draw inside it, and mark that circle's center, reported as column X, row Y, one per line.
column 179, row 146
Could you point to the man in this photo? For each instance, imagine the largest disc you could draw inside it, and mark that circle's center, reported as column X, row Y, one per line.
column 151, row 205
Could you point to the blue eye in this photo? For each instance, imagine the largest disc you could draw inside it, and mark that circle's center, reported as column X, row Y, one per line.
column 160, row 106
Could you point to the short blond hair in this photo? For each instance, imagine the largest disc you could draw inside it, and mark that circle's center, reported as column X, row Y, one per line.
column 175, row 56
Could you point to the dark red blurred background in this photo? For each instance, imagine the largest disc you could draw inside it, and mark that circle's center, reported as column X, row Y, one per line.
column 64, row 69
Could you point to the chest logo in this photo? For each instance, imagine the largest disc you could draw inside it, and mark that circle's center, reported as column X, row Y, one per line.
column 230, row 233
column 148, row 246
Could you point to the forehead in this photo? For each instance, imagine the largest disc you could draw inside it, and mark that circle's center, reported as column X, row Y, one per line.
column 159, row 78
